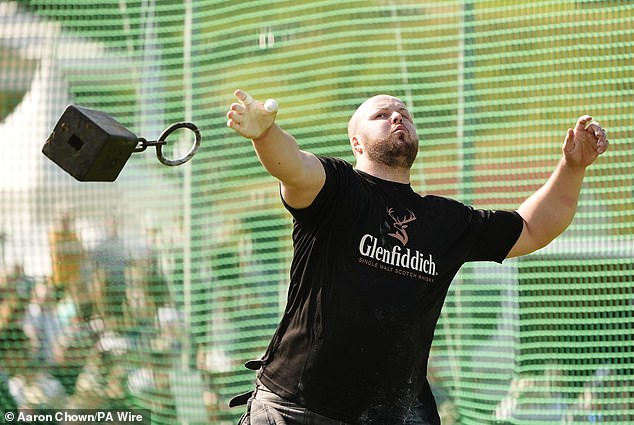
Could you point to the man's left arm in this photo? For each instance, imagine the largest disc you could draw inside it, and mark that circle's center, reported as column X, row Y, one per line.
column 549, row 211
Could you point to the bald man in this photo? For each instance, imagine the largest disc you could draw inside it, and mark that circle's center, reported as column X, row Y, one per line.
column 373, row 261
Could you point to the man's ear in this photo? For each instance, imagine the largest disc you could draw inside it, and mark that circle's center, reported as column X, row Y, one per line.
column 356, row 146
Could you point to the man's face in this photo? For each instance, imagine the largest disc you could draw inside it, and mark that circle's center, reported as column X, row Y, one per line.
column 382, row 128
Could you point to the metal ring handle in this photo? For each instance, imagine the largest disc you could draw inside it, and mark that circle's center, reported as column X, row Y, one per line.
column 169, row 130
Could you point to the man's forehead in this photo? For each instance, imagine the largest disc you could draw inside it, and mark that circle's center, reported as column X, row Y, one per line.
column 384, row 102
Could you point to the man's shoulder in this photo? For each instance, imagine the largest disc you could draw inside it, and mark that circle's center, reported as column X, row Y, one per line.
column 338, row 169
column 442, row 201
column 334, row 162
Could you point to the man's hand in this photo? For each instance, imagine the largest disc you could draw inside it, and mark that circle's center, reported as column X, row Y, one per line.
column 249, row 117
column 584, row 143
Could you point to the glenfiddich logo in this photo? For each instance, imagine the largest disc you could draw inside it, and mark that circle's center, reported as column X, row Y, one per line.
column 397, row 259
column 400, row 224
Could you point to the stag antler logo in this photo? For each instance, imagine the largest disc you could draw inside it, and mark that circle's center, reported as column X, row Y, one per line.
column 400, row 224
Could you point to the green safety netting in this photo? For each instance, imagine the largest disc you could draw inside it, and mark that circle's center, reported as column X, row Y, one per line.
column 151, row 291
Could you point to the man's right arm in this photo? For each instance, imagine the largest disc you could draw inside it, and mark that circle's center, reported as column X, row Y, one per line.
column 300, row 173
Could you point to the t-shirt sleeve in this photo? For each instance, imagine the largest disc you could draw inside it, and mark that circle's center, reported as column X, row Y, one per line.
column 495, row 234
column 331, row 194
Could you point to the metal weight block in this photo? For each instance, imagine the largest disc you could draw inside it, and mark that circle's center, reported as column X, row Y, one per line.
column 90, row 145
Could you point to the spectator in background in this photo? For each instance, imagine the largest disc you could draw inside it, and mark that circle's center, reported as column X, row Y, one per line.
column 67, row 257
column 101, row 381
column 111, row 261
column 29, row 385
column 60, row 338
column 10, row 332
column 42, row 324
column 19, row 280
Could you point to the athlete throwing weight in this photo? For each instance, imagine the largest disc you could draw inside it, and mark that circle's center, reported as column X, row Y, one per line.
column 373, row 261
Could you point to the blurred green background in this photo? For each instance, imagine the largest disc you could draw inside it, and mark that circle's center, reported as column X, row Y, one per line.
column 151, row 291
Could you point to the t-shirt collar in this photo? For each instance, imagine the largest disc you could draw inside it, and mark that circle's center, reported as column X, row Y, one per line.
column 386, row 184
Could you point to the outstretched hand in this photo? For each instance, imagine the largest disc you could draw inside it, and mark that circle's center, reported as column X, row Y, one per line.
column 249, row 117
column 585, row 142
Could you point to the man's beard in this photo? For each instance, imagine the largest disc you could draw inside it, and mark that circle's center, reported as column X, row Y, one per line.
column 397, row 150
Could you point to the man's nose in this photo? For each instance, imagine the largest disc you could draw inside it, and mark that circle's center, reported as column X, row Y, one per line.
column 397, row 118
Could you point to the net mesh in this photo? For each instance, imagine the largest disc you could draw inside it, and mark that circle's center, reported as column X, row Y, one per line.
column 151, row 291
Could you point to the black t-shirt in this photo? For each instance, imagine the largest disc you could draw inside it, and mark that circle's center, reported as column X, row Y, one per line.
column 372, row 264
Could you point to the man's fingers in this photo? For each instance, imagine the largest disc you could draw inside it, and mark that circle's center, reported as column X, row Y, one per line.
column 234, row 116
column 231, row 123
column 583, row 122
column 602, row 147
column 602, row 141
column 238, row 107
column 244, row 97
column 599, row 133
column 239, row 94
column 236, row 113
column 569, row 141
column 596, row 129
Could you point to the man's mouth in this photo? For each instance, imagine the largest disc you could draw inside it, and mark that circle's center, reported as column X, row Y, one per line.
column 400, row 132
column 399, row 128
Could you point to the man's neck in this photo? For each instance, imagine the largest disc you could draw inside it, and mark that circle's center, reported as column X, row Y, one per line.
column 385, row 172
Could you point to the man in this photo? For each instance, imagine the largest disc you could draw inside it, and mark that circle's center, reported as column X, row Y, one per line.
column 373, row 261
